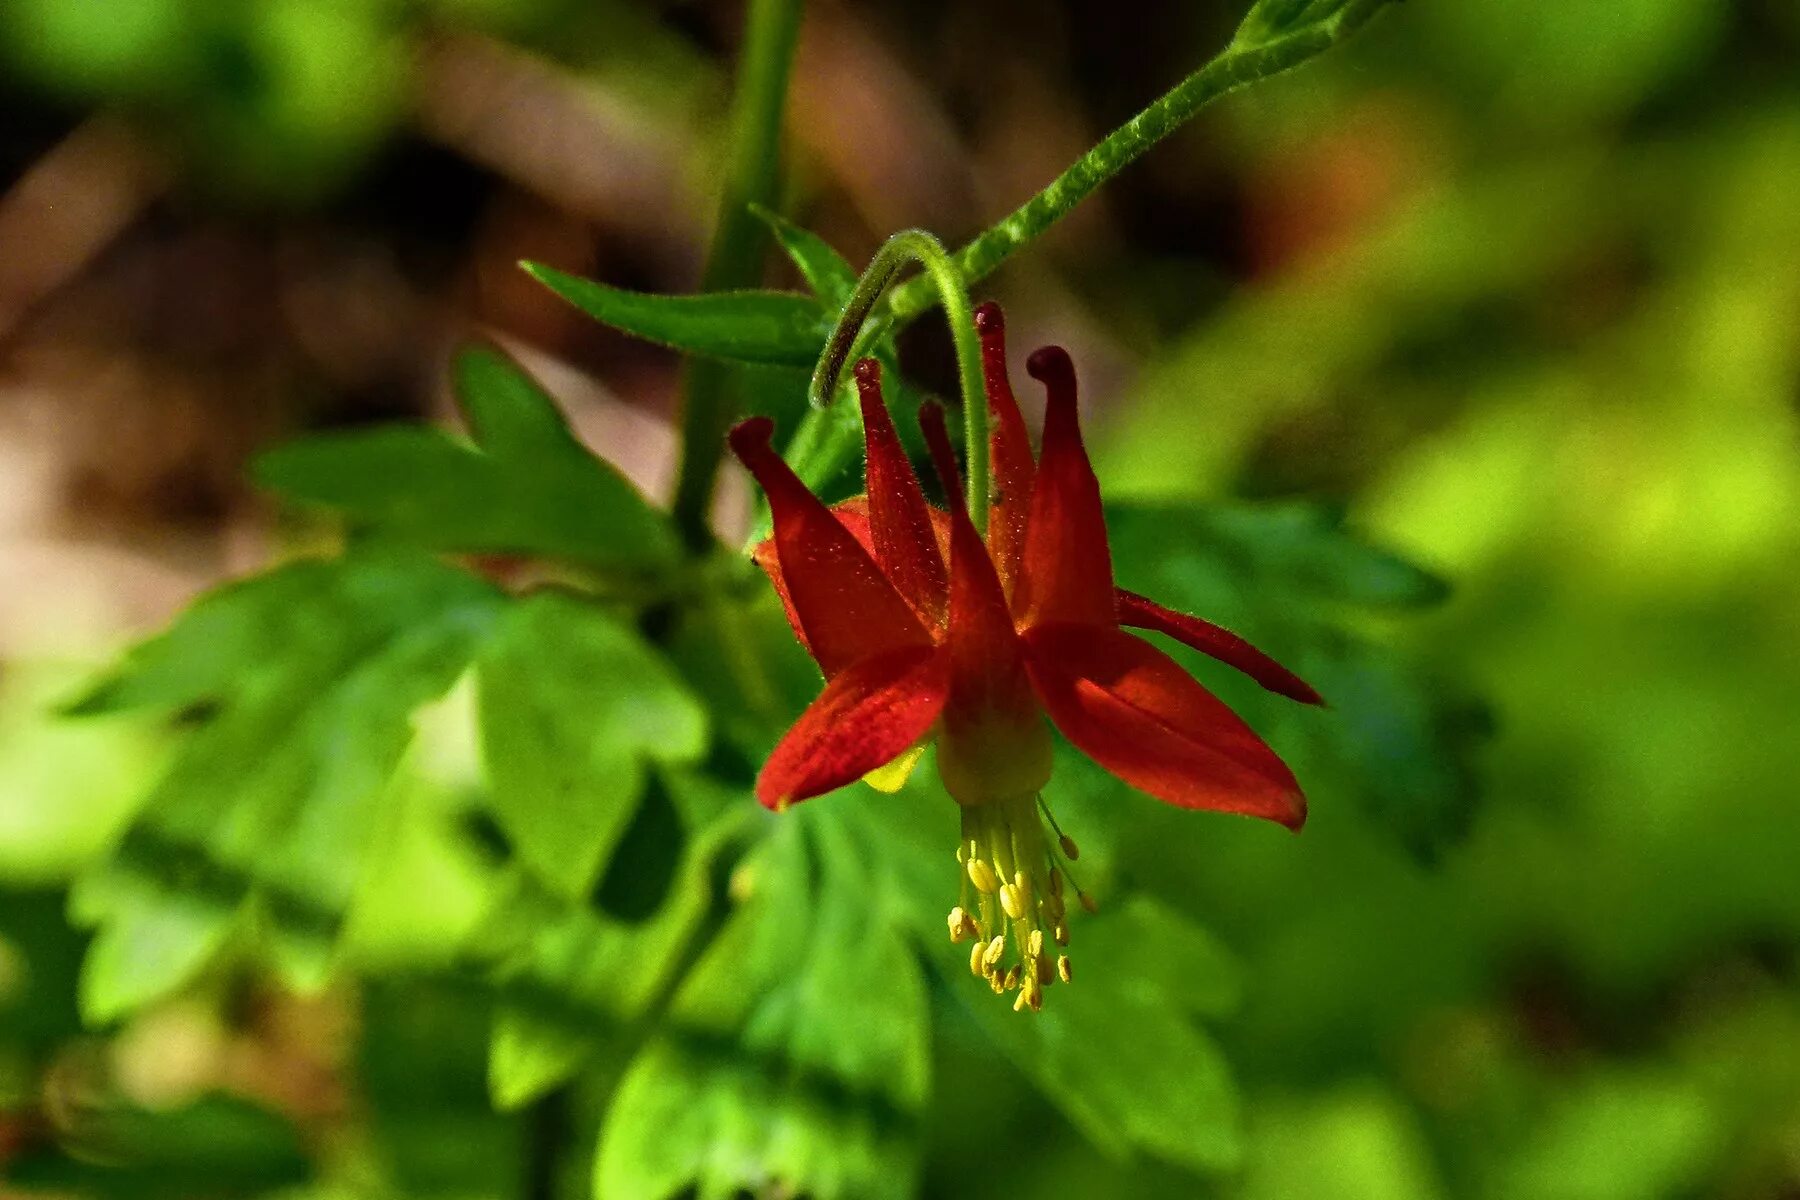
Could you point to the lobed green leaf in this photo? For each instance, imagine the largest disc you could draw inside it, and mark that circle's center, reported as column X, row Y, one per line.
column 1398, row 740
column 569, row 975
column 269, row 810
column 794, row 1059
column 574, row 707
column 526, row 487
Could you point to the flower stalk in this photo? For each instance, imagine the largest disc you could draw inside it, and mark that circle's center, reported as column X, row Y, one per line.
column 855, row 331
column 1237, row 66
column 771, row 31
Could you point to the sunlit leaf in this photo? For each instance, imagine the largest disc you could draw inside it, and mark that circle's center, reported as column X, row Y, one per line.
column 527, row 487
column 776, row 328
column 1357, row 1143
column 795, row 1056
column 275, row 795
column 574, row 705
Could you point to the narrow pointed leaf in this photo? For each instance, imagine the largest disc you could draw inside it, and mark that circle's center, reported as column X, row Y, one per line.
column 775, row 328
column 827, row 272
column 795, row 1059
column 1270, row 20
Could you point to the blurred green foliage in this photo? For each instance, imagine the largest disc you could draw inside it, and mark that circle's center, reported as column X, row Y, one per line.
column 1513, row 472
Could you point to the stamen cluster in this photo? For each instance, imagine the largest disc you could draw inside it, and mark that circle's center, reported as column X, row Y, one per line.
column 1018, row 891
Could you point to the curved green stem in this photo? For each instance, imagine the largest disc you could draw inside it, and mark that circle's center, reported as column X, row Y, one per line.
column 854, row 329
column 771, row 30
column 1236, row 67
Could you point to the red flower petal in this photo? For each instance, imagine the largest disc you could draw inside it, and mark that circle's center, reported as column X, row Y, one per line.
column 840, row 599
column 853, row 515
column 1010, row 447
column 866, row 716
column 994, row 742
column 986, row 661
column 899, row 519
column 1067, row 567
column 1139, row 612
column 1133, row 710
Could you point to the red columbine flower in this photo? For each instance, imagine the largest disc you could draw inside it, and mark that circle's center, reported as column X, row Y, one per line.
column 927, row 633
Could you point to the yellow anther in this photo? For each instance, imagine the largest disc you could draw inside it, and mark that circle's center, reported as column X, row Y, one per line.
column 958, row 925
column 977, row 959
column 1033, row 991
column 983, row 877
column 991, row 957
column 1065, row 969
column 1011, row 902
column 1087, row 902
column 1061, row 934
column 1035, row 943
column 1012, row 977
column 1022, row 885
column 1019, row 1004
column 1070, row 850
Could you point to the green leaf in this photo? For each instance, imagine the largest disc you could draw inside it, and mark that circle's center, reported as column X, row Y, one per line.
column 795, row 1058
column 827, row 272
column 422, row 1097
column 1119, row 1058
column 217, row 1146
column 1271, row 20
column 204, row 655
column 574, row 707
column 1359, row 1142
column 149, row 946
column 271, row 805
column 529, row 488
column 567, row 975
column 776, row 328
column 531, row 1055
column 67, row 788
column 1307, row 549
column 1146, row 945
column 510, row 416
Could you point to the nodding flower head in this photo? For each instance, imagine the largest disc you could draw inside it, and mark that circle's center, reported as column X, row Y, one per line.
column 928, row 632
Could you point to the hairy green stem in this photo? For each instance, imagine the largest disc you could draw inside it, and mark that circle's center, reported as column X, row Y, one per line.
column 771, row 30
column 1234, row 68
column 854, row 329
